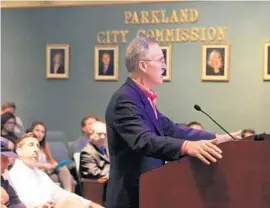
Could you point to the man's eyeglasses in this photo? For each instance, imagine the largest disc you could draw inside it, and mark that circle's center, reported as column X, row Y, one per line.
column 162, row 61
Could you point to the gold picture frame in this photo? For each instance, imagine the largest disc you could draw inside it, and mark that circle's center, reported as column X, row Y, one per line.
column 215, row 62
column 266, row 60
column 106, row 62
column 167, row 52
column 57, row 61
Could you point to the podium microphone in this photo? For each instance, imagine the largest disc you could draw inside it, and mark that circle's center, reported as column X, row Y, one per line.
column 198, row 108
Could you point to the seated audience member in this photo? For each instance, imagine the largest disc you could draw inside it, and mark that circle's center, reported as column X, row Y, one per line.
column 9, row 197
column 82, row 141
column 8, row 122
column 247, row 133
column 10, row 107
column 46, row 162
column 94, row 160
column 195, row 125
column 33, row 186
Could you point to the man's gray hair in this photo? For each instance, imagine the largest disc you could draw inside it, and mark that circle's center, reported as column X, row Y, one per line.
column 137, row 49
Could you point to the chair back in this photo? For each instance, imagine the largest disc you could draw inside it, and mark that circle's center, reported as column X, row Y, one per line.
column 71, row 148
column 59, row 150
column 76, row 157
column 56, row 136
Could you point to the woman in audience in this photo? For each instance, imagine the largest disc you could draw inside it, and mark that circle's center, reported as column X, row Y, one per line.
column 47, row 162
column 8, row 122
column 10, row 107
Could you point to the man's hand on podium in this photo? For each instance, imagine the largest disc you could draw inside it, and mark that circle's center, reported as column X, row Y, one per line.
column 204, row 150
column 221, row 138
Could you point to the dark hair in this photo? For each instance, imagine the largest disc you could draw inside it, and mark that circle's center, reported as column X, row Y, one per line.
column 251, row 131
column 8, row 104
column 87, row 117
column 194, row 123
column 34, row 124
column 10, row 135
column 5, row 117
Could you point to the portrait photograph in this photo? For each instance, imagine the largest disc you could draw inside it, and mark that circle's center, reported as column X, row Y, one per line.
column 166, row 49
column 215, row 62
column 266, row 64
column 106, row 62
column 57, row 61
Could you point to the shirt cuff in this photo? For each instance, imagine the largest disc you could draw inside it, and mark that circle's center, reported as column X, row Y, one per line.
column 184, row 148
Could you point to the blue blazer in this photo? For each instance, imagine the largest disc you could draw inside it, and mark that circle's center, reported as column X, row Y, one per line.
column 139, row 142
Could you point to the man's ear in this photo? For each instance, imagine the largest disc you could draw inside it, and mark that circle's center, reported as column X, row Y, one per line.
column 143, row 66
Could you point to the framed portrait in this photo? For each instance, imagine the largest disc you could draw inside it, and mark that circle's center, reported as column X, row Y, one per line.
column 166, row 49
column 266, row 60
column 216, row 62
column 57, row 61
column 106, row 62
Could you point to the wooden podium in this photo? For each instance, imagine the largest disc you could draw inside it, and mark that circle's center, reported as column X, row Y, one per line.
column 241, row 179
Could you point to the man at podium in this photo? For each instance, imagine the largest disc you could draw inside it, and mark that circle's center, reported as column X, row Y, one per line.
column 140, row 137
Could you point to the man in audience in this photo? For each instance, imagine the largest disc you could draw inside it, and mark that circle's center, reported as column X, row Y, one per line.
column 10, row 107
column 82, row 141
column 195, row 125
column 9, row 197
column 34, row 187
column 247, row 133
column 94, row 161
